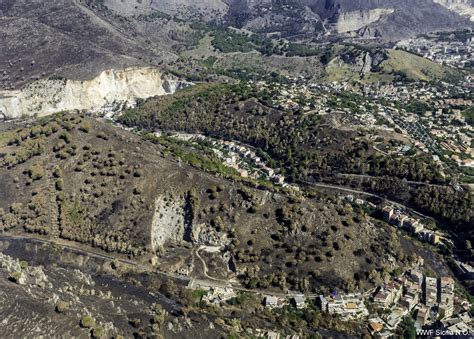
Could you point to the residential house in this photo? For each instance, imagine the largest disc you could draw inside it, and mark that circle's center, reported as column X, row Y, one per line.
column 401, row 219
column 335, row 304
column 279, row 179
column 217, row 295
column 395, row 291
column 383, row 299
column 408, row 302
column 412, row 225
column 446, row 297
column 272, row 302
column 460, row 327
column 431, row 291
column 416, row 276
column 268, row 171
column 422, row 316
column 429, row 236
column 375, row 327
column 322, row 303
column 299, row 301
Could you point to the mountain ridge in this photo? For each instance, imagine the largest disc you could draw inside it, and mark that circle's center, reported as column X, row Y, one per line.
column 405, row 19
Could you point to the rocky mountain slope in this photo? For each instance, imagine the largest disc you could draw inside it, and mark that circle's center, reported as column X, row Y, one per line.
column 80, row 180
column 386, row 19
column 68, row 40
column 74, row 294
column 389, row 20
column 78, row 40
column 463, row 7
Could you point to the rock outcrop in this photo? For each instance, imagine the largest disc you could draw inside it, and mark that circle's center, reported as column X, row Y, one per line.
column 355, row 20
column 168, row 222
column 109, row 89
column 385, row 19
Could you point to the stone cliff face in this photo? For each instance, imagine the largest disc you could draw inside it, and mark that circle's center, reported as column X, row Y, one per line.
column 355, row 20
column 169, row 222
column 390, row 19
column 462, row 7
column 173, row 222
column 111, row 87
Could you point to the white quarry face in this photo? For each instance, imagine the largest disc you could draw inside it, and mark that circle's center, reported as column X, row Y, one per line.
column 49, row 96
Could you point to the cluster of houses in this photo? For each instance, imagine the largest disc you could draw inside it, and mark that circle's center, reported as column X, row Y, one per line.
column 297, row 95
column 461, row 323
column 218, row 295
column 273, row 302
column 389, row 295
column 465, row 270
column 444, row 119
column 348, row 306
column 438, row 300
column 449, row 51
column 350, row 198
column 396, row 300
column 236, row 153
column 412, row 225
column 431, row 298
column 239, row 157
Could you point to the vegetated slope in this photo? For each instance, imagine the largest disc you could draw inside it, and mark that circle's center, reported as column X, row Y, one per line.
column 370, row 64
column 66, row 292
column 64, row 301
column 251, row 57
column 69, row 293
column 305, row 146
column 92, row 183
column 414, row 67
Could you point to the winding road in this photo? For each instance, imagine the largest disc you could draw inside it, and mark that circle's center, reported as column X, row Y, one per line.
column 204, row 264
column 366, row 176
column 354, row 191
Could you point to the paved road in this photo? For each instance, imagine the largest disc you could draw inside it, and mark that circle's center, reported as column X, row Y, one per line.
column 366, row 176
column 354, row 191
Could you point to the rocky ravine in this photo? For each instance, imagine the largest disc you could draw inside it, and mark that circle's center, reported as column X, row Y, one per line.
column 109, row 89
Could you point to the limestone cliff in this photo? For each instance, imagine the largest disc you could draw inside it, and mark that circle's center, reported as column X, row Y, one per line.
column 355, row 20
column 462, row 7
column 111, row 87
column 169, row 222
